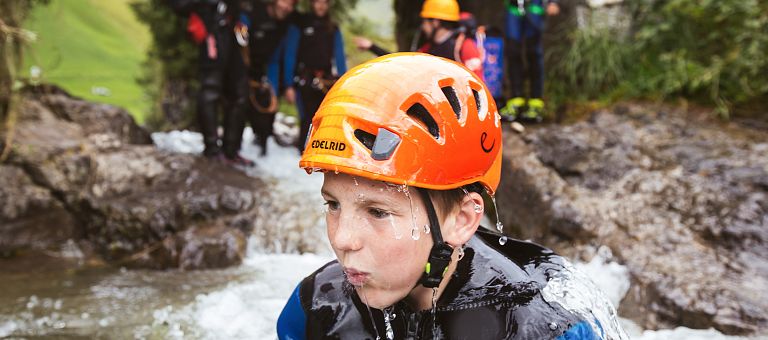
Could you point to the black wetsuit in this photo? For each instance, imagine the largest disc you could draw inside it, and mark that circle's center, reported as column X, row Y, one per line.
column 495, row 293
column 223, row 80
column 266, row 48
column 313, row 46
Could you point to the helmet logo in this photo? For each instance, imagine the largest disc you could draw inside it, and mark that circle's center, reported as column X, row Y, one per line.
column 483, row 137
column 329, row 145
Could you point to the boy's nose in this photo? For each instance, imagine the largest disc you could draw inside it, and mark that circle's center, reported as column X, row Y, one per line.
column 347, row 235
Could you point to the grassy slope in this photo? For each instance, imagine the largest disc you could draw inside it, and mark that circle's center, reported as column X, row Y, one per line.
column 87, row 43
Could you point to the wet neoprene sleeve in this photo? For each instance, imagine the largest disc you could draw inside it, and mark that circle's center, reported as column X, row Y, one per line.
column 292, row 323
column 338, row 53
column 273, row 68
column 291, row 50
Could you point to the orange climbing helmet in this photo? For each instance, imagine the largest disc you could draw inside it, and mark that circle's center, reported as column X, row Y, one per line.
column 447, row 10
column 408, row 118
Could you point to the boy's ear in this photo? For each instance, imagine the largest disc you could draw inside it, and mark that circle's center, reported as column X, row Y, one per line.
column 463, row 221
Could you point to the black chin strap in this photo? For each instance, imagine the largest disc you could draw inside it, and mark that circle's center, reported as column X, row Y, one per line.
column 440, row 255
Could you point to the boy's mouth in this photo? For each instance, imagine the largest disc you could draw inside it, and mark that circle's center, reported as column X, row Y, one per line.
column 355, row 277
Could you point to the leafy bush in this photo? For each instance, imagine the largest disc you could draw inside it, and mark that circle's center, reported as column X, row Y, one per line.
column 713, row 52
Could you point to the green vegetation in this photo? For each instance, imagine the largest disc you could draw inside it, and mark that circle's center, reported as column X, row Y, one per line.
column 93, row 49
column 710, row 52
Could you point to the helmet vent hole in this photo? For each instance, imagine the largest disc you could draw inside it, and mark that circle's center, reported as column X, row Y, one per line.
column 366, row 138
column 476, row 95
column 450, row 94
column 481, row 101
column 421, row 114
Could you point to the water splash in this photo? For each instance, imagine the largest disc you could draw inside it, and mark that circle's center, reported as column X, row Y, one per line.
column 370, row 314
column 395, row 230
column 413, row 212
column 499, row 225
column 576, row 292
column 415, row 233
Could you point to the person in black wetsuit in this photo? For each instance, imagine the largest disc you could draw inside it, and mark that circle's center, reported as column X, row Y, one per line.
column 408, row 144
column 268, row 24
column 223, row 81
column 314, row 58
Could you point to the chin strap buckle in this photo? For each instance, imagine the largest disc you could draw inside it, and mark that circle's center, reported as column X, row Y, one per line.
column 439, row 259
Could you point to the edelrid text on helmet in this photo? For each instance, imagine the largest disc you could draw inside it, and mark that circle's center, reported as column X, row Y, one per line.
column 408, row 118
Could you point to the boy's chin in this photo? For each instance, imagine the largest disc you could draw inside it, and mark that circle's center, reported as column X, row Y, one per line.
column 377, row 298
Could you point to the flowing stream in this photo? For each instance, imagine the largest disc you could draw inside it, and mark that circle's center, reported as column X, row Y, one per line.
column 61, row 299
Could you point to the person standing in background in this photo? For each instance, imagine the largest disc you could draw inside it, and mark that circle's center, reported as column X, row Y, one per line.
column 265, row 50
column 524, row 26
column 223, row 81
column 445, row 36
column 314, row 46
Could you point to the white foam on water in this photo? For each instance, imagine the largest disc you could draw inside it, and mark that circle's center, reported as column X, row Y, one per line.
column 7, row 328
column 179, row 141
column 246, row 310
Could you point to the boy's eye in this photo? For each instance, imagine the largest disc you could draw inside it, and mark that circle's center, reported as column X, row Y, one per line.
column 332, row 205
column 378, row 213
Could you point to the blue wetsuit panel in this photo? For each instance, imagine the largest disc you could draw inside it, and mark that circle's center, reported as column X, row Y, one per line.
column 580, row 331
column 292, row 323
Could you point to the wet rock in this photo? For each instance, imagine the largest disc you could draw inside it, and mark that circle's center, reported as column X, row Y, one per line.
column 680, row 199
column 94, row 118
column 29, row 215
column 137, row 206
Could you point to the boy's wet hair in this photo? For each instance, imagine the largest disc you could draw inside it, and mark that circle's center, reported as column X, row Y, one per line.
column 447, row 200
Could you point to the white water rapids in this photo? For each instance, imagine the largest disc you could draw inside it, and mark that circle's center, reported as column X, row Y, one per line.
column 235, row 303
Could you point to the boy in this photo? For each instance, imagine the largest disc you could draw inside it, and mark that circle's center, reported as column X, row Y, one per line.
column 408, row 144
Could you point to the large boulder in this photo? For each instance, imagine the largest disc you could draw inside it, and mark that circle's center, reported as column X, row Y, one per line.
column 681, row 200
column 84, row 171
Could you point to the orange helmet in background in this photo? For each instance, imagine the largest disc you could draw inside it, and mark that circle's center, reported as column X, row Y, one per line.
column 408, row 118
column 447, row 10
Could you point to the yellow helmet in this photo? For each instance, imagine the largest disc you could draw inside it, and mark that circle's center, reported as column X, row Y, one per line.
column 447, row 10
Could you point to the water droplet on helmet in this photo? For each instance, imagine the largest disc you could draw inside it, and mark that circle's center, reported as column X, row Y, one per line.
column 503, row 240
column 552, row 326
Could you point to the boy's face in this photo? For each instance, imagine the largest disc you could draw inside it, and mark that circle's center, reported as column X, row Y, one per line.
column 370, row 227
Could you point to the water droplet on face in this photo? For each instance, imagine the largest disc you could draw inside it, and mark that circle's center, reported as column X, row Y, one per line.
column 395, row 230
column 355, row 179
column 415, row 234
column 499, row 226
column 478, row 208
column 503, row 240
column 426, row 229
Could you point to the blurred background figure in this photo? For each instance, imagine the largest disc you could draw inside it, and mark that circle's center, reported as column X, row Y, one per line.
column 446, row 36
column 223, row 81
column 266, row 36
column 524, row 26
column 314, row 59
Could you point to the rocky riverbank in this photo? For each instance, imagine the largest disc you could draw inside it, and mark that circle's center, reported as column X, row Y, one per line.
column 84, row 171
column 681, row 200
